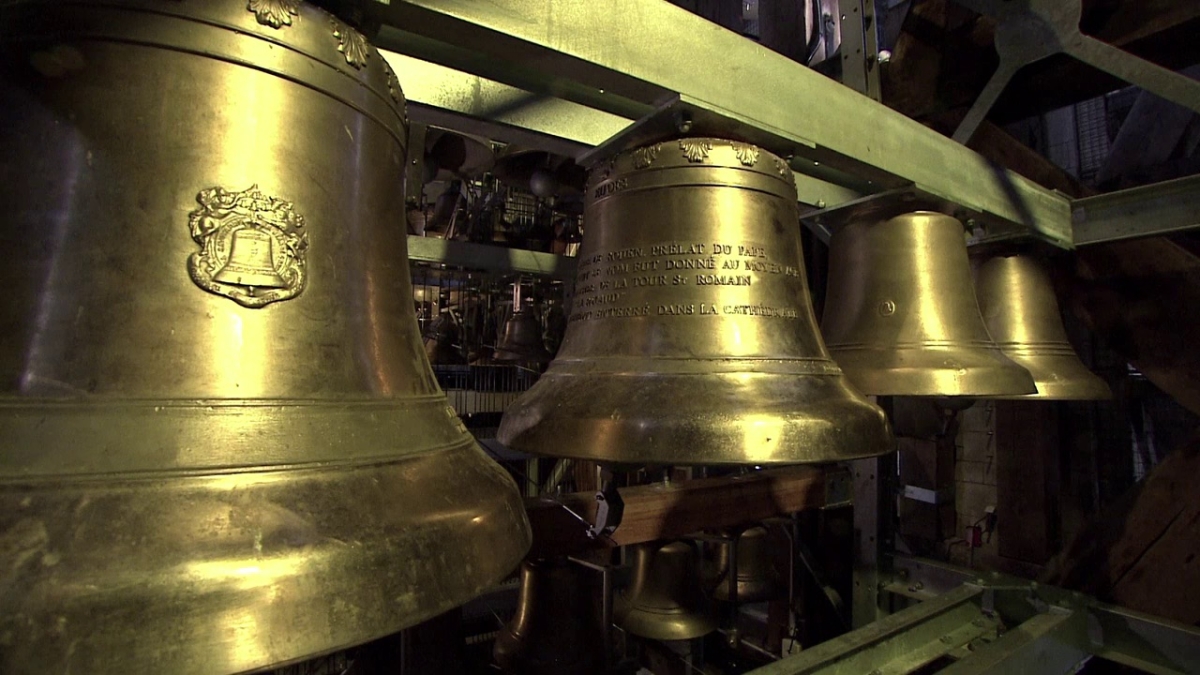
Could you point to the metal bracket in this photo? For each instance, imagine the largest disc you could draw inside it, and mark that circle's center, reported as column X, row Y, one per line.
column 1028, row 31
column 609, row 510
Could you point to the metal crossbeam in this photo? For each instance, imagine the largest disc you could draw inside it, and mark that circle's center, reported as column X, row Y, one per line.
column 628, row 57
column 1162, row 208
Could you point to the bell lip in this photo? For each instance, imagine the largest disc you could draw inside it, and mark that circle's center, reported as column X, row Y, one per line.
column 976, row 372
column 674, row 625
column 640, row 424
column 1060, row 377
column 127, row 642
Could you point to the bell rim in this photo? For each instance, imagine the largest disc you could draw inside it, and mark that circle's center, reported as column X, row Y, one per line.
column 648, row 624
column 1060, row 376
column 88, row 582
column 644, row 424
column 981, row 372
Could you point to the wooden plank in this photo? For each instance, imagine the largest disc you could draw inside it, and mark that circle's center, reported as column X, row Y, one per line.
column 661, row 511
column 1142, row 552
column 1027, row 479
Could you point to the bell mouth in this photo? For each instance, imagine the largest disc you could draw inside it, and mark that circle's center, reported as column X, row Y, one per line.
column 1059, row 376
column 254, row 568
column 695, row 418
column 964, row 371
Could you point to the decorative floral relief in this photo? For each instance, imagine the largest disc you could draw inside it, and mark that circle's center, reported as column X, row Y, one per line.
column 393, row 84
column 352, row 44
column 644, row 157
column 695, row 149
column 274, row 13
column 252, row 246
column 782, row 167
column 747, row 154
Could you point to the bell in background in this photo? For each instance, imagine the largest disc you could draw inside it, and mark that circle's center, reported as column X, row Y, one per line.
column 522, row 339
column 757, row 578
column 664, row 599
column 553, row 632
column 522, row 336
column 1022, row 315
column 901, row 316
column 221, row 445
column 691, row 339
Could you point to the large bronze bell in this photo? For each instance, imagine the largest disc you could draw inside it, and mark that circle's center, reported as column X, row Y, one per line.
column 691, row 339
column 757, row 578
column 1022, row 315
column 901, row 316
column 553, row 632
column 664, row 599
column 221, row 445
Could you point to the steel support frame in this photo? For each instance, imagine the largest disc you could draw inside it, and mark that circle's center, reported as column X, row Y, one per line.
column 995, row 624
column 572, row 77
column 628, row 58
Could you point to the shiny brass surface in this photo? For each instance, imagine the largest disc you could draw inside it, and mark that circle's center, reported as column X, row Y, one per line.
column 1022, row 315
column 555, row 631
column 664, row 599
column 691, row 339
column 221, row 445
column 901, row 316
column 757, row 578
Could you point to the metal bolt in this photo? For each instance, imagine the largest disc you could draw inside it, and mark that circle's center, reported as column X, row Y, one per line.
column 884, row 56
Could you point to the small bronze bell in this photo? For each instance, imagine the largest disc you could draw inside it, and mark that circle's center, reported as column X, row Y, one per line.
column 757, row 578
column 691, row 339
column 901, row 316
column 251, row 261
column 1022, row 315
column 221, row 445
column 555, row 631
column 664, row 599
column 522, row 339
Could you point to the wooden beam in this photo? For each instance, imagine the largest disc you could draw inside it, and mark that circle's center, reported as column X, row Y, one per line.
column 1142, row 551
column 662, row 511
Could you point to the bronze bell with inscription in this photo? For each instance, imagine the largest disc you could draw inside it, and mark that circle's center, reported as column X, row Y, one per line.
column 665, row 599
column 1022, row 315
column 555, row 630
column 901, row 316
column 691, row 339
column 221, row 445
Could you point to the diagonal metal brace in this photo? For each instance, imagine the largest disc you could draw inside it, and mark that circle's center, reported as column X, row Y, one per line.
column 1028, row 31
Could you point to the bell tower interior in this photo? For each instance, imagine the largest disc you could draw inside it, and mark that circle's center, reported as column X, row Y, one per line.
column 632, row 337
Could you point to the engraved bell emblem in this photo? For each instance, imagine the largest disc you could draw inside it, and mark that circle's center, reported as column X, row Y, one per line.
column 251, row 261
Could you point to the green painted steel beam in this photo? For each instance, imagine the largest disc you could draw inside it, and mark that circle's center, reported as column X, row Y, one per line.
column 628, row 57
column 1161, row 208
column 489, row 258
